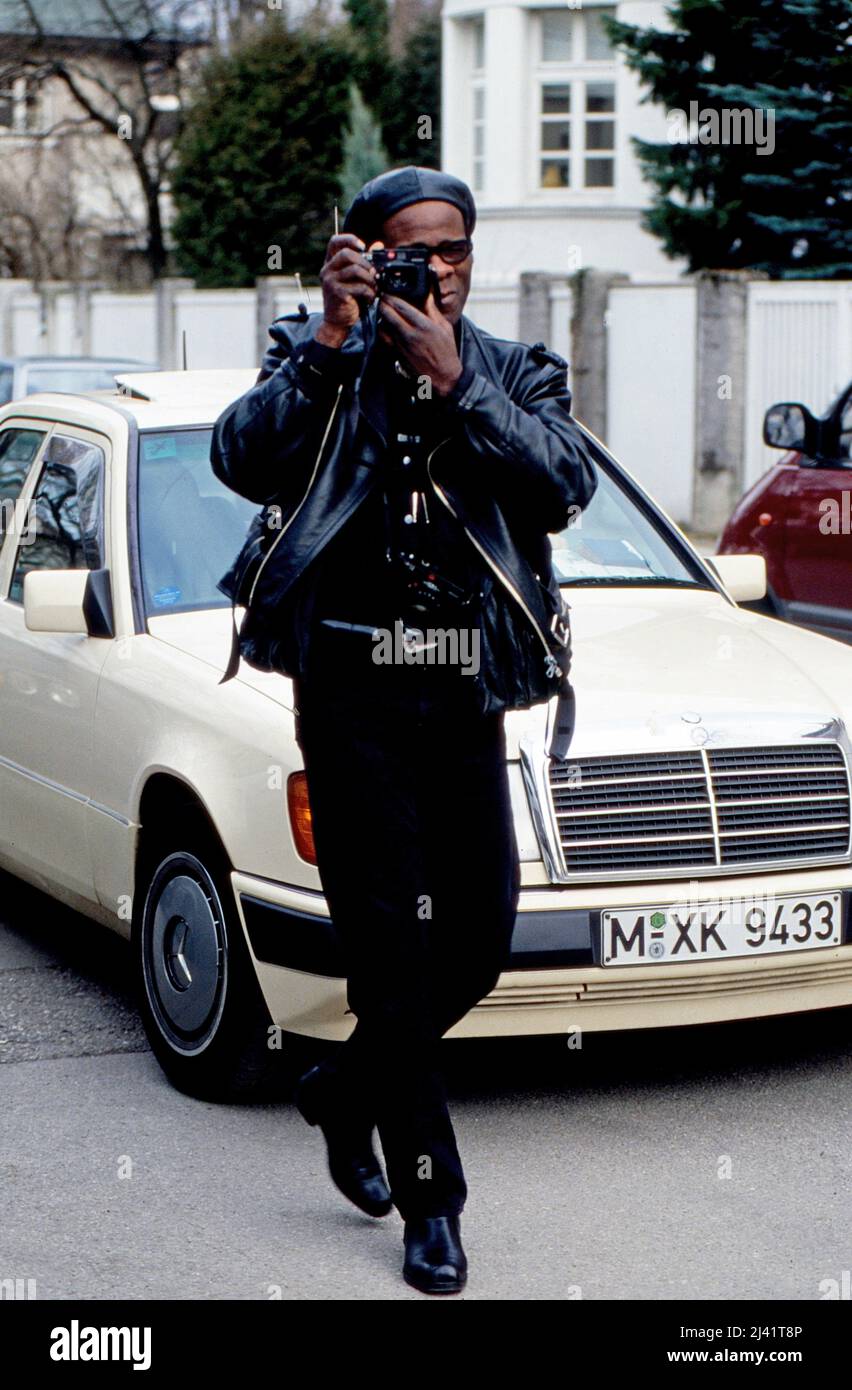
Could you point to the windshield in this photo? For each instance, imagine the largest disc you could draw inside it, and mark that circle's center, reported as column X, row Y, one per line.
column 616, row 541
column 191, row 525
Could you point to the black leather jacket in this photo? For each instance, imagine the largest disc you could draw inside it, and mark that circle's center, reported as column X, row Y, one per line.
column 511, row 466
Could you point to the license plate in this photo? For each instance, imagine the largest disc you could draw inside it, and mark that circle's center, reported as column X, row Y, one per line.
column 709, row 931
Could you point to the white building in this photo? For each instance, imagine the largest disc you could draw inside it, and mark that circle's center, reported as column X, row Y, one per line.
column 538, row 111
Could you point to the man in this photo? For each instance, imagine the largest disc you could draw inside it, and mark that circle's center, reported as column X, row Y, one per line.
column 419, row 465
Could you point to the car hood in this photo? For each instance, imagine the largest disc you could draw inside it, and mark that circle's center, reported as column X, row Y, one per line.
column 206, row 635
column 652, row 669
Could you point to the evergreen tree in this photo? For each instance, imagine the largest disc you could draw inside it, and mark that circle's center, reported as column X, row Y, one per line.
column 399, row 91
column 369, row 26
column 257, row 171
column 412, row 120
column 364, row 155
column 785, row 210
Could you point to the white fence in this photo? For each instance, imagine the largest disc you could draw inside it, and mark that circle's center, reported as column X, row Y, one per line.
column 799, row 348
column 221, row 326
column 795, row 336
column 651, row 388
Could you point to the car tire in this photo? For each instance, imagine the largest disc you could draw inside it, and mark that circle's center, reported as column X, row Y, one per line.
column 199, row 998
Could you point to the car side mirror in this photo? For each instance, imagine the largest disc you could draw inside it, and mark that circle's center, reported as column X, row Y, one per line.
column 790, row 425
column 744, row 576
column 68, row 601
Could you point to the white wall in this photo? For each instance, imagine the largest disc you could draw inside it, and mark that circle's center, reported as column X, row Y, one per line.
column 799, row 347
column 567, row 240
column 124, row 325
column 651, row 389
column 219, row 327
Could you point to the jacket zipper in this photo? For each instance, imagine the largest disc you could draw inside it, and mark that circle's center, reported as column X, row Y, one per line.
column 507, row 582
column 292, row 518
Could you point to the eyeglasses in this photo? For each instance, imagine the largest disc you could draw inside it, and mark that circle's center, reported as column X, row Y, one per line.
column 453, row 252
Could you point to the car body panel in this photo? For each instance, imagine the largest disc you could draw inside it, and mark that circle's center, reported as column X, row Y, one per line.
column 655, row 669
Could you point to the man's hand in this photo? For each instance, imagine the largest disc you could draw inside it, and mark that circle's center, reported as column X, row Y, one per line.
column 348, row 281
column 424, row 339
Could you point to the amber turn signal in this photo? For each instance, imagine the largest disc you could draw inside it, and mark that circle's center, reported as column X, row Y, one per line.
column 300, row 815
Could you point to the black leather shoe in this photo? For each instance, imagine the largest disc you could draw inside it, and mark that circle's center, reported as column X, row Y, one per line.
column 434, row 1259
column 352, row 1162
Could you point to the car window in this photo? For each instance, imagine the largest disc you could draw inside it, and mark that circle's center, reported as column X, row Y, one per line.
column 616, row 541
column 191, row 525
column 74, row 379
column 65, row 523
column 18, row 449
column 7, row 384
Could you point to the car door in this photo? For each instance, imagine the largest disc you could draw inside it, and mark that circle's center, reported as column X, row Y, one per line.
column 817, row 549
column 21, row 446
column 49, row 685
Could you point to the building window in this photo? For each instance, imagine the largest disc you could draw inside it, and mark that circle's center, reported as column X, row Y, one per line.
column 17, row 106
column 599, row 169
column 576, row 100
column 557, row 36
column 478, row 138
column 598, row 47
column 477, row 98
column 555, row 135
column 477, row 27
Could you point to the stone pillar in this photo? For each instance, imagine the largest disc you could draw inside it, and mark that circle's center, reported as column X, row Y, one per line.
column 168, row 349
column 589, row 346
column 8, row 290
column 720, row 395
column 83, row 318
column 534, row 319
column 265, row 287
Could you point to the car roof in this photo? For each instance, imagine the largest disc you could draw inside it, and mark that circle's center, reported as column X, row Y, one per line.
column 156, row 400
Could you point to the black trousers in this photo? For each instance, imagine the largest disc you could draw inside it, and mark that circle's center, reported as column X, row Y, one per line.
column 418, row 860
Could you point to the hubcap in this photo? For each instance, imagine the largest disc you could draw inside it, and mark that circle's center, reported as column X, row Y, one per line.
column 185, row 958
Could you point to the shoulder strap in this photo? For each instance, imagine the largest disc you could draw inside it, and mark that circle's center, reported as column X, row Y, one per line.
column 234, row 658
column 564, row 719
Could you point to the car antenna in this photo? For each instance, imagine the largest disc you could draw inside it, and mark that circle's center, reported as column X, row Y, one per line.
column 303, row 308
column 184, row 348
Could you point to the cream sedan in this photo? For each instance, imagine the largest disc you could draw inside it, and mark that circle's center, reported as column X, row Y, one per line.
column 689, row 863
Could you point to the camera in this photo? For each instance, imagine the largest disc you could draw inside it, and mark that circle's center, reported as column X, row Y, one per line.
column 405, row 272
column 427, row 590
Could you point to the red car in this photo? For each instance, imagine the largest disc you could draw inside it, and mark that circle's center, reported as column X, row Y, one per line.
column 799, row 516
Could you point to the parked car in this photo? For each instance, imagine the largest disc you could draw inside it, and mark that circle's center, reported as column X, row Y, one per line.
column 23, row 376
column 798, row 516
column 689, row 862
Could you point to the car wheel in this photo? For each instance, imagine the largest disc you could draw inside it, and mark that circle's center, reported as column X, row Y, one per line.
column 200, row 1001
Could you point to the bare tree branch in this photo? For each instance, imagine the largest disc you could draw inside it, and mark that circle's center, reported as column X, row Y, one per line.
column 147, row 52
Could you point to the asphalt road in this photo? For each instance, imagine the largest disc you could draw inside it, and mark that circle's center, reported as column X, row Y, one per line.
column 597, row 1173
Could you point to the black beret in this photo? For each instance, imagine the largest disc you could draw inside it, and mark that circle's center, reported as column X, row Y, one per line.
column 383, row 196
